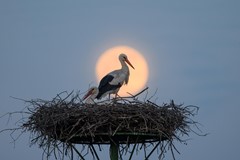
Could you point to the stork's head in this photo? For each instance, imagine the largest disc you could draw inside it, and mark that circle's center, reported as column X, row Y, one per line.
column 123, row 58
column 93, row 91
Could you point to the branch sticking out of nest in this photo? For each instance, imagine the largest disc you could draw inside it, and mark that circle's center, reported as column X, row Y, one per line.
column 61, row 123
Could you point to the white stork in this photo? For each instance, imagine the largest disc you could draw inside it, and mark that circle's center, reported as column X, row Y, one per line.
column 91, row 95
column 111, row 83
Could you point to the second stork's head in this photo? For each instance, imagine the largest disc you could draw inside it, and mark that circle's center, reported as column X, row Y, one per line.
column 91, row 95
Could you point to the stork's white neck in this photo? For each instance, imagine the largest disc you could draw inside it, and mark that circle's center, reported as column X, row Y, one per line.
column 124, row 66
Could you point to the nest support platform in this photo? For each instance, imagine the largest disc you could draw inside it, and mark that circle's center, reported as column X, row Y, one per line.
column 120, row 137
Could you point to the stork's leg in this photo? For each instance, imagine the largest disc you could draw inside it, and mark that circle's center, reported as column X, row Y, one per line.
column 115, row 98
column 116, row 95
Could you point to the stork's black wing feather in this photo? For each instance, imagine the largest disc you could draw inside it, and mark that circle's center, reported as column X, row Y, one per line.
column 105, row 86
column 105, row 81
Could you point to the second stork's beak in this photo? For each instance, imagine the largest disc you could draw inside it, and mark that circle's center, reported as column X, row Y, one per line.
column 129, row 63
column 87, row 95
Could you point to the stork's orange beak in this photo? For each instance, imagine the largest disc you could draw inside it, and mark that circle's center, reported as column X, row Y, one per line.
column 129, row 63
column 86, row 95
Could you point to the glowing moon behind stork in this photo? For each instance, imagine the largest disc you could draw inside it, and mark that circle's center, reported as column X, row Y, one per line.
column 108, row 62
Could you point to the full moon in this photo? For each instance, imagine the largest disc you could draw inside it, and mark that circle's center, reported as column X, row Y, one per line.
column 108, row 61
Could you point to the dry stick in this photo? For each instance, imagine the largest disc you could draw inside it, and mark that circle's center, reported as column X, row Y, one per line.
column 90, row 148
column 152, row 150
column 94, row 151
column 133, row 96
column 162, row 149
column 132, row 151
column 120, row 155
column 63, row 147
column 62, row 100
column 144, row 147
column 80, row 155
column 172, row 152
column 71, row 153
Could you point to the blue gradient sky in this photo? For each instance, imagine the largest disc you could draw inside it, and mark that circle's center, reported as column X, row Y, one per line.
column 192, row 48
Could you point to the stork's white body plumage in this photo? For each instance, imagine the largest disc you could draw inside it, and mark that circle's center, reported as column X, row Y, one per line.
column 121, row 76
column 112, row 82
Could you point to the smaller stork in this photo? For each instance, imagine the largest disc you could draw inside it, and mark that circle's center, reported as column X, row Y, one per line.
column 91, row 95
column 112, row 82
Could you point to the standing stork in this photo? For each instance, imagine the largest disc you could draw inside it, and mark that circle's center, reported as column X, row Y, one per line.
column 112, row 82
column 91, row 95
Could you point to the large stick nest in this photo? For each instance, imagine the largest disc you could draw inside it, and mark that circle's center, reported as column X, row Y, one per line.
column 63, row 122
column 127, row 122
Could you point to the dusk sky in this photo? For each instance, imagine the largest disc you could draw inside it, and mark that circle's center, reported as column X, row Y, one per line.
column 192, row 49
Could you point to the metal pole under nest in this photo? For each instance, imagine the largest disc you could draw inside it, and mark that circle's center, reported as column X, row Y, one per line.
column 114, row 148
